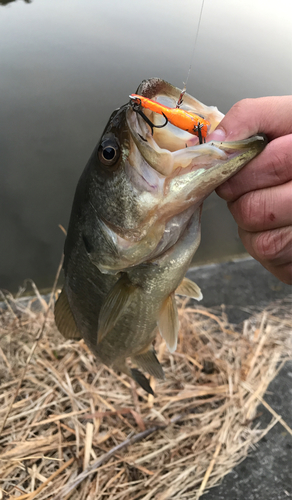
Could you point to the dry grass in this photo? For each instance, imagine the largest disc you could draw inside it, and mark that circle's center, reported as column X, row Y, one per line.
column 77, row 430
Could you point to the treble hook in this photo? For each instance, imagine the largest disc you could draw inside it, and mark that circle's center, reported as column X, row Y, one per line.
column 136, row 105
column 198, row 129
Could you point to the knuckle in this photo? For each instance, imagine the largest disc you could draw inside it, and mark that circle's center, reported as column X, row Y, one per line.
column 240, row 108
column 242, row 104
column 281, row 161
column 266, row 245
column 287, row 277
column 227, row 191
column 251, row 210
column 269, row 244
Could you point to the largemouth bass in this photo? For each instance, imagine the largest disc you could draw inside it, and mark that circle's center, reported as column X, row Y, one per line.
column 135, row 226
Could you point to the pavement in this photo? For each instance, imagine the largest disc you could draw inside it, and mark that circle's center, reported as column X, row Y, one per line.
column 244, row 286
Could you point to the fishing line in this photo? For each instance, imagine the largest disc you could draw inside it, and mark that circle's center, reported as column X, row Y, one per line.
column 180, row 100
column 197, row 34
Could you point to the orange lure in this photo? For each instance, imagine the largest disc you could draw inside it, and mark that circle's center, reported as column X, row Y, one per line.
column 185, row 120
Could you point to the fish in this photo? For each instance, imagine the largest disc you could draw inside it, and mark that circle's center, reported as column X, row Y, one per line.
column 135, row 226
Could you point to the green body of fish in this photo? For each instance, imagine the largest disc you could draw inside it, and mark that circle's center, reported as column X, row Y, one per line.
column 134, row 228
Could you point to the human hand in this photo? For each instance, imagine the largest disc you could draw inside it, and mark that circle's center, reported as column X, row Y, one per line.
column 260, row 195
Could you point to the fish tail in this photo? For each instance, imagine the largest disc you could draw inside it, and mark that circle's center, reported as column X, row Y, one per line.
column 136, row 375
column 141, row 380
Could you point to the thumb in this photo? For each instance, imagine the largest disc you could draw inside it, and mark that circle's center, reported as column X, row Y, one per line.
column 268, row 115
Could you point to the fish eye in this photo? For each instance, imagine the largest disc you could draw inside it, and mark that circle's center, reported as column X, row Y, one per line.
column 109, row 152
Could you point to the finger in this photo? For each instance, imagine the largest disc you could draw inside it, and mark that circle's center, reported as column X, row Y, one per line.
column 273, row 249
column 269, row 115
column 264, row 209
column 271, row 168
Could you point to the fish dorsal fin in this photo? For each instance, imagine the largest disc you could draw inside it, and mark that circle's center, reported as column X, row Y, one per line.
column 168, row 322
column 114, row 306
column 64, row 318
column 189, row 289
column 149, row 363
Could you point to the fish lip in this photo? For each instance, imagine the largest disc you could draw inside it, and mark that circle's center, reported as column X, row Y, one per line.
column 169, row 143
column 141, row 125
column 153, row 154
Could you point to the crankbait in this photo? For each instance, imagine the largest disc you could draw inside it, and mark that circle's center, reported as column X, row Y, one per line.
column 185, row 120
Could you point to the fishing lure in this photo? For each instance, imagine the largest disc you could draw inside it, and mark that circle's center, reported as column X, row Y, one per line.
column 185, row 120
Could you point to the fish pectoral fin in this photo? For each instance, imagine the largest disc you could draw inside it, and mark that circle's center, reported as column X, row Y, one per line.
column 168, row 323
column 149, row 363
column 189, row 289
column 64, row 318
column 141, row 380
column 114, row 306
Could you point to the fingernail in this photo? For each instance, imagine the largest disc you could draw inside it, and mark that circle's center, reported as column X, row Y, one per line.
column 218, row 135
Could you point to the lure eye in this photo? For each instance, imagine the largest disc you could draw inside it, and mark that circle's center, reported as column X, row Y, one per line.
column 109, row 152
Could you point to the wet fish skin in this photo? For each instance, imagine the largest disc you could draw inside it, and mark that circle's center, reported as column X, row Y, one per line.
column 134, row 228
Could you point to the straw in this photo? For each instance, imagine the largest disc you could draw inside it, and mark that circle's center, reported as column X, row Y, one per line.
column 74, row 429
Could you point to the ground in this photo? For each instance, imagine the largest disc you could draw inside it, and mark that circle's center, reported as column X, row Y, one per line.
column 267, row 472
